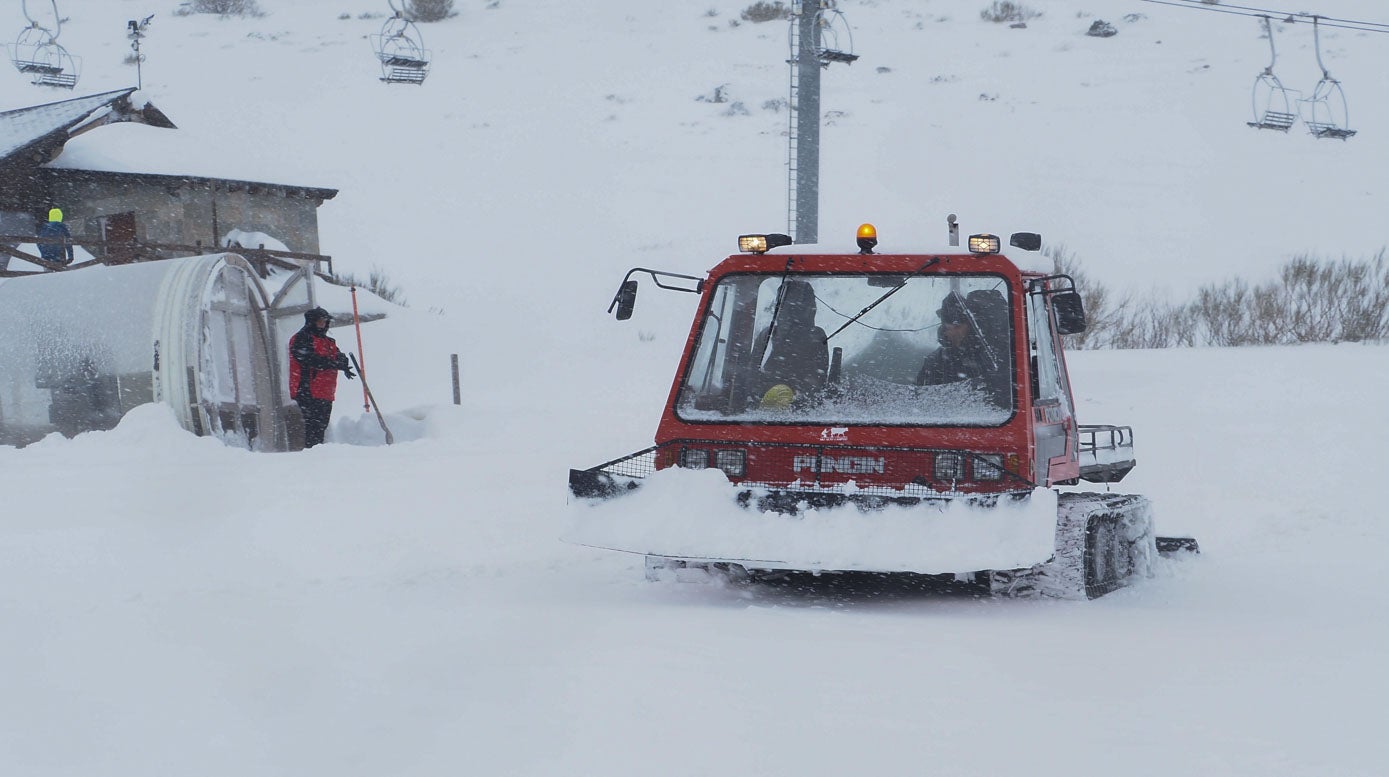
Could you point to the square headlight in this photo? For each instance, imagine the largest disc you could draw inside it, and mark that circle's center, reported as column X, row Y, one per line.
column 950, row 467
column 694, row 458
column 988, row 466
column 733, row 462
column 983, row 244
column 752, row 244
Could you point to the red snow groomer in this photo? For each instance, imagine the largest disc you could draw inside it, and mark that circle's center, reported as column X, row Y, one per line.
column 832, row 387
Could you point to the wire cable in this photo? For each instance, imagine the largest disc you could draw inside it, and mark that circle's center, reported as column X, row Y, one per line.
column 1288, row 17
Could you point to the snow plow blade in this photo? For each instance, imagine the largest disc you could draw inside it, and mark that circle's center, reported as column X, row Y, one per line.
column 1035, row 542
column 591, row 484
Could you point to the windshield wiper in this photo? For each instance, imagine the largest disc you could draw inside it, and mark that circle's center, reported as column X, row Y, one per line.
column 929, row 262
column 776, row 309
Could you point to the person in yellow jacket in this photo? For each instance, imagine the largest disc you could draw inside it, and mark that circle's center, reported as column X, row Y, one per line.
column 55, row 229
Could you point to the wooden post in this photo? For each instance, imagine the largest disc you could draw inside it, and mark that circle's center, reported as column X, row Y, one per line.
column 457, row 394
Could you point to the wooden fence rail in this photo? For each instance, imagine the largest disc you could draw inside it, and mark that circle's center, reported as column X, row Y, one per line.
column 127, row 252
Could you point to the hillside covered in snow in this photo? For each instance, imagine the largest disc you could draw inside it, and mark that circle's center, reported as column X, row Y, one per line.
column 171, row 605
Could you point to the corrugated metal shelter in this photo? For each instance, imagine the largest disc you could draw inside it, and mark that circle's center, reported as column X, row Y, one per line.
column 199, row 334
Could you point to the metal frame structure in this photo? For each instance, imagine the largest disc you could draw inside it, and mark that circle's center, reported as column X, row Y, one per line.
column 815, row 44
column 37, row 53
column 400, row 49
column 1273, row 103
column 1325, row 112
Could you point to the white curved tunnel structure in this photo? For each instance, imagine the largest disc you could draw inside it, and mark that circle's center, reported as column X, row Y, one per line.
column 196, row 333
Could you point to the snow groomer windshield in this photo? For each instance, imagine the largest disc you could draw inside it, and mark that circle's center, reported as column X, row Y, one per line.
column 853, row 349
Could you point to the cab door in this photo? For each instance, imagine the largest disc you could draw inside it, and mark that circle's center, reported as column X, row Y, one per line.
column 1053, row 418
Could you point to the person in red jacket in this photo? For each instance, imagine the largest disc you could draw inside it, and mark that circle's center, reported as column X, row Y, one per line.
column 314, row 363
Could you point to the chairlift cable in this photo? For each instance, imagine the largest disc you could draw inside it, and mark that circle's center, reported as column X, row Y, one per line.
column 1286, row 16
column 1204, row 5
column 1198, row 4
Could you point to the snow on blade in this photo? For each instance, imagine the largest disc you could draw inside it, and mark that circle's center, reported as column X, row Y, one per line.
column 692, row 515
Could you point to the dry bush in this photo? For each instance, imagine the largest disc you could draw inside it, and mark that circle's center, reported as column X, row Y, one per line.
column 377, row 283
column 429, row 10
column 1007, row 11
column 762, row 11
column 1310, row 301
column 223, row 7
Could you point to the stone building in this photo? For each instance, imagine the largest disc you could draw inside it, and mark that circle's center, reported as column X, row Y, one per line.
column 121, row 190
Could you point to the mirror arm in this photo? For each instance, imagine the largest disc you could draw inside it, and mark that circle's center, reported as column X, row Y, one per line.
column 1039, row 285
column 656, row 276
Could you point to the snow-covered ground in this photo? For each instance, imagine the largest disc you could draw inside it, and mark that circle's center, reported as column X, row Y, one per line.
column 171, row 606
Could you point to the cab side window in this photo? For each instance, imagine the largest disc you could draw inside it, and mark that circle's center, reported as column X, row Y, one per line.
column 1046, row 373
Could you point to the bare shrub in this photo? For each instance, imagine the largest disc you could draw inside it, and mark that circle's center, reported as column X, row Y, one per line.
column 377, row 283
column 1007, row 11
column 1148, row 323
column 762, row 11
column 1310, row 301
column 222, row 7
column 429, row 10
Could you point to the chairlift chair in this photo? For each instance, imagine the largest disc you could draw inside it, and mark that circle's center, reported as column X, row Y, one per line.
column 400, row 49
column 836, row 39
column 37, row 53
column 1273, row 104
column 1326, row 113
column 1271, row 101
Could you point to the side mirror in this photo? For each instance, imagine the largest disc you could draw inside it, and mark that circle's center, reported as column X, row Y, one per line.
column 626, row 300
column 1070, row 312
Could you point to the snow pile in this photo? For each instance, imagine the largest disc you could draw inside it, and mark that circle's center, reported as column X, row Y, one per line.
column 170, row 605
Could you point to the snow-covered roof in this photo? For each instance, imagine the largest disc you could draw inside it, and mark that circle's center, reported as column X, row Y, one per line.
column 1027, row 261
column 131, row 149
column 27, row 127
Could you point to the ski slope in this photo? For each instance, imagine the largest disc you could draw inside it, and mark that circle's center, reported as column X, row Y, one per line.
column 172, row 606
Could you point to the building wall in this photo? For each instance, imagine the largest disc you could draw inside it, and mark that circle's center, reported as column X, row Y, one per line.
column 186, row 211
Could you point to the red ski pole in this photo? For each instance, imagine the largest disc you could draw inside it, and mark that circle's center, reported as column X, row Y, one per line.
column 357, row 322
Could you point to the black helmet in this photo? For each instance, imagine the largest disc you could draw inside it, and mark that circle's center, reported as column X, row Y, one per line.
column 313, row 314
column 952, row 310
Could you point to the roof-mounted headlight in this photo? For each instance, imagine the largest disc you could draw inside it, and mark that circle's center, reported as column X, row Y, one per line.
column 761, row 244
column 983, row 244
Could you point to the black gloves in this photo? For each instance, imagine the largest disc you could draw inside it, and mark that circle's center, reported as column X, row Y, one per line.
column 346, row 368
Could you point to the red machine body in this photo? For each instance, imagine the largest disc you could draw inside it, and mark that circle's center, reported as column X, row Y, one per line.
column 783, row 451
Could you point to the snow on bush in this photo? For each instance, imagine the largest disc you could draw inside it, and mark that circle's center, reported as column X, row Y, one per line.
column 1005, row 11
column 429, row 10
column 761, row 11
column 223, row 7
column 1311, row 301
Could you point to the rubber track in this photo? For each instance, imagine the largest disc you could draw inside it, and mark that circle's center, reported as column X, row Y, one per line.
column 1103, row 542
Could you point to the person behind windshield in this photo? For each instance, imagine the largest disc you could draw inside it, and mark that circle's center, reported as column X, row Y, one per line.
column 793, row 352
column 973, row 345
